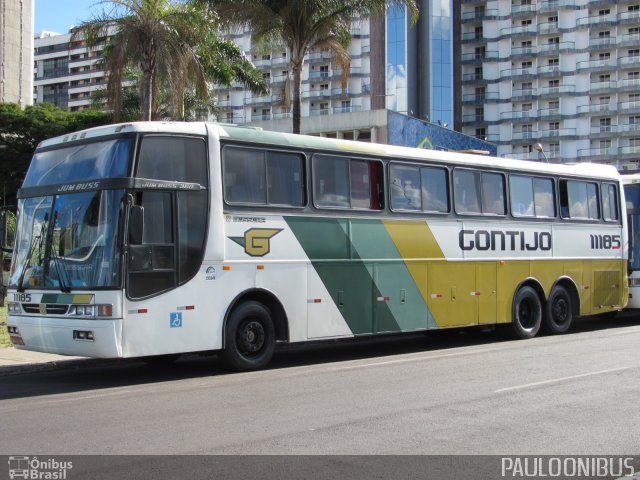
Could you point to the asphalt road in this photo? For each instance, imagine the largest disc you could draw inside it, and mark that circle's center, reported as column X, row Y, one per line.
column 443, row 393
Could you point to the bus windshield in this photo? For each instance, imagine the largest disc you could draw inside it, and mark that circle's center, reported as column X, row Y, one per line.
column 68, row 240
column 632, row 196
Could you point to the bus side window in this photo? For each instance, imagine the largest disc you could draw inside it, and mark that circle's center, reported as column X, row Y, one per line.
column 610, row 202
column 579, row 200
column 466, row 191
column 493, row 193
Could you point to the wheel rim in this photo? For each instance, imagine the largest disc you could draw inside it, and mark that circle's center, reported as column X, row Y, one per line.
column 250, row 337
column 526, row 314
column 560, row 311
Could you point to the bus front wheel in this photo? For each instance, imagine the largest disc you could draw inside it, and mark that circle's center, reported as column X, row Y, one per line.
column 558, row 311
column 249, row 337
column 527, row 313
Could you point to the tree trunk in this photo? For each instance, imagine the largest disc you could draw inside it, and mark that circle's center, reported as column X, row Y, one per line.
column 297, row 95
column 147, row 95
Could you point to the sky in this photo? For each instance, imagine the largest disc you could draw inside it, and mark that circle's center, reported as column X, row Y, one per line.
column 58, row 15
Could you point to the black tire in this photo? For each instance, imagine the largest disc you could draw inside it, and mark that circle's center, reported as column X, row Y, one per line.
column 558, row 311
column 526, row 314
column 249, row 337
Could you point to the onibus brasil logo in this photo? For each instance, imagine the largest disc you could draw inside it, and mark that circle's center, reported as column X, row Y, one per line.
column 34, row 468
column 257, row 241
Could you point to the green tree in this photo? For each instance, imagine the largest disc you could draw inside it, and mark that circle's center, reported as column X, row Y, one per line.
column 175, row 46
column 21, row 130
column 302, row 25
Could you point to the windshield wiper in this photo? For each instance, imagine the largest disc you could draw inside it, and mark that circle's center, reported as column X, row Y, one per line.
column 56, row 258
column 37, row 239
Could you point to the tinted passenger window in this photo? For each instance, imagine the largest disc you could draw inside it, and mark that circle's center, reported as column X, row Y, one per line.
column 610, row 202
column 263, row 177
column 419, row 188
column 531, row 197
column 347, row 183
column 579, row 200
column 479, row 192
column 177, row 159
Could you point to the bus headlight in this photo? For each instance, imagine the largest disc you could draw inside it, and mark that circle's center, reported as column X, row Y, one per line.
column 91, row 311
column 13, row 308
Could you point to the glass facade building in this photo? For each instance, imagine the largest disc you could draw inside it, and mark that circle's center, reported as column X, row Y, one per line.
column 419, row 62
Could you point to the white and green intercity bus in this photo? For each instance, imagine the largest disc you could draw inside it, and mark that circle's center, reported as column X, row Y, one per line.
column 155, row 239
column 632, row 197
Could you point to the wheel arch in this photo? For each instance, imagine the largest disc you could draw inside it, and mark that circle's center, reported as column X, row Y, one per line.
column 533, row 283
column 269, row 300
column 572, row 289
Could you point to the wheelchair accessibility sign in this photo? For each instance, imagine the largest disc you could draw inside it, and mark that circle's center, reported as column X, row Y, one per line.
column 175, row 320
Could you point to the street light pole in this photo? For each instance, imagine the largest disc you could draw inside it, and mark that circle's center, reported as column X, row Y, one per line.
column 538, row 148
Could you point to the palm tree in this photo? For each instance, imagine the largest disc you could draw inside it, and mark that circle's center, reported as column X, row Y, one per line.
column 171, row 45
column 302, row 25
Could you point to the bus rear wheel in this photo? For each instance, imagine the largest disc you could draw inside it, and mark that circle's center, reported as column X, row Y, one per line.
column 527, row 313
column 558, row 311
column 249, row 337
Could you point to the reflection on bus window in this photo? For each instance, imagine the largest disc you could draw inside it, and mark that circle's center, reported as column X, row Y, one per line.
column 531, row 197
column 579, row 200
column 419, row 188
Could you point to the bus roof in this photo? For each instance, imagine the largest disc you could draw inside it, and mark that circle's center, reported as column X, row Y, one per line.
column 259, row 136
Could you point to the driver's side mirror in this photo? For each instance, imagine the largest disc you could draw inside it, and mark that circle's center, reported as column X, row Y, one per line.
column 136, row 225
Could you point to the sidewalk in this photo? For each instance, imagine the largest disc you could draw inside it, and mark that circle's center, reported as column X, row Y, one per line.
column 13, row 361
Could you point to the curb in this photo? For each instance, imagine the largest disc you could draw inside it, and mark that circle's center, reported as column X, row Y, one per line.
column 19, row 368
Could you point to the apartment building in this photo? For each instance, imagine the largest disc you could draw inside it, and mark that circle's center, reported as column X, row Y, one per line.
column 16, row 51
column 66, row 71
column 564, row 74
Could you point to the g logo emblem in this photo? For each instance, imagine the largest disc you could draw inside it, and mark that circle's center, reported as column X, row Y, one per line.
column 257, row 241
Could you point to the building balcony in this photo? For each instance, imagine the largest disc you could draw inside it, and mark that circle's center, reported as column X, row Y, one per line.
column 604, row 42
column 326, row 93
column 549, row 113
column 320, row 75
column 523, row 51
column 480, row 97
column 472, row 77
column 548, row 27
column 479, row 57
column 629, row 150
column 629, row 40
column 629, row 84
column 518, row 72
column 472, row 37
column 595, row 20
column 479, row 15
column 603, row 130
column 602, row 86
column 556, row 91
column 527, row 136
column 279, row 62
column 629, row 129
column 597, row 108
column 319, row 57
column 560, row 132
column 473, row 118
column 525, row 9
column 555, row 48
column 629, row 17
column 519, row 30
column 598, row 65
column 629, row 107
column 528, row 115
column 549, row 70
column 597, row 153
column 523, row 94
column 633, row 61
column 552, row 5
